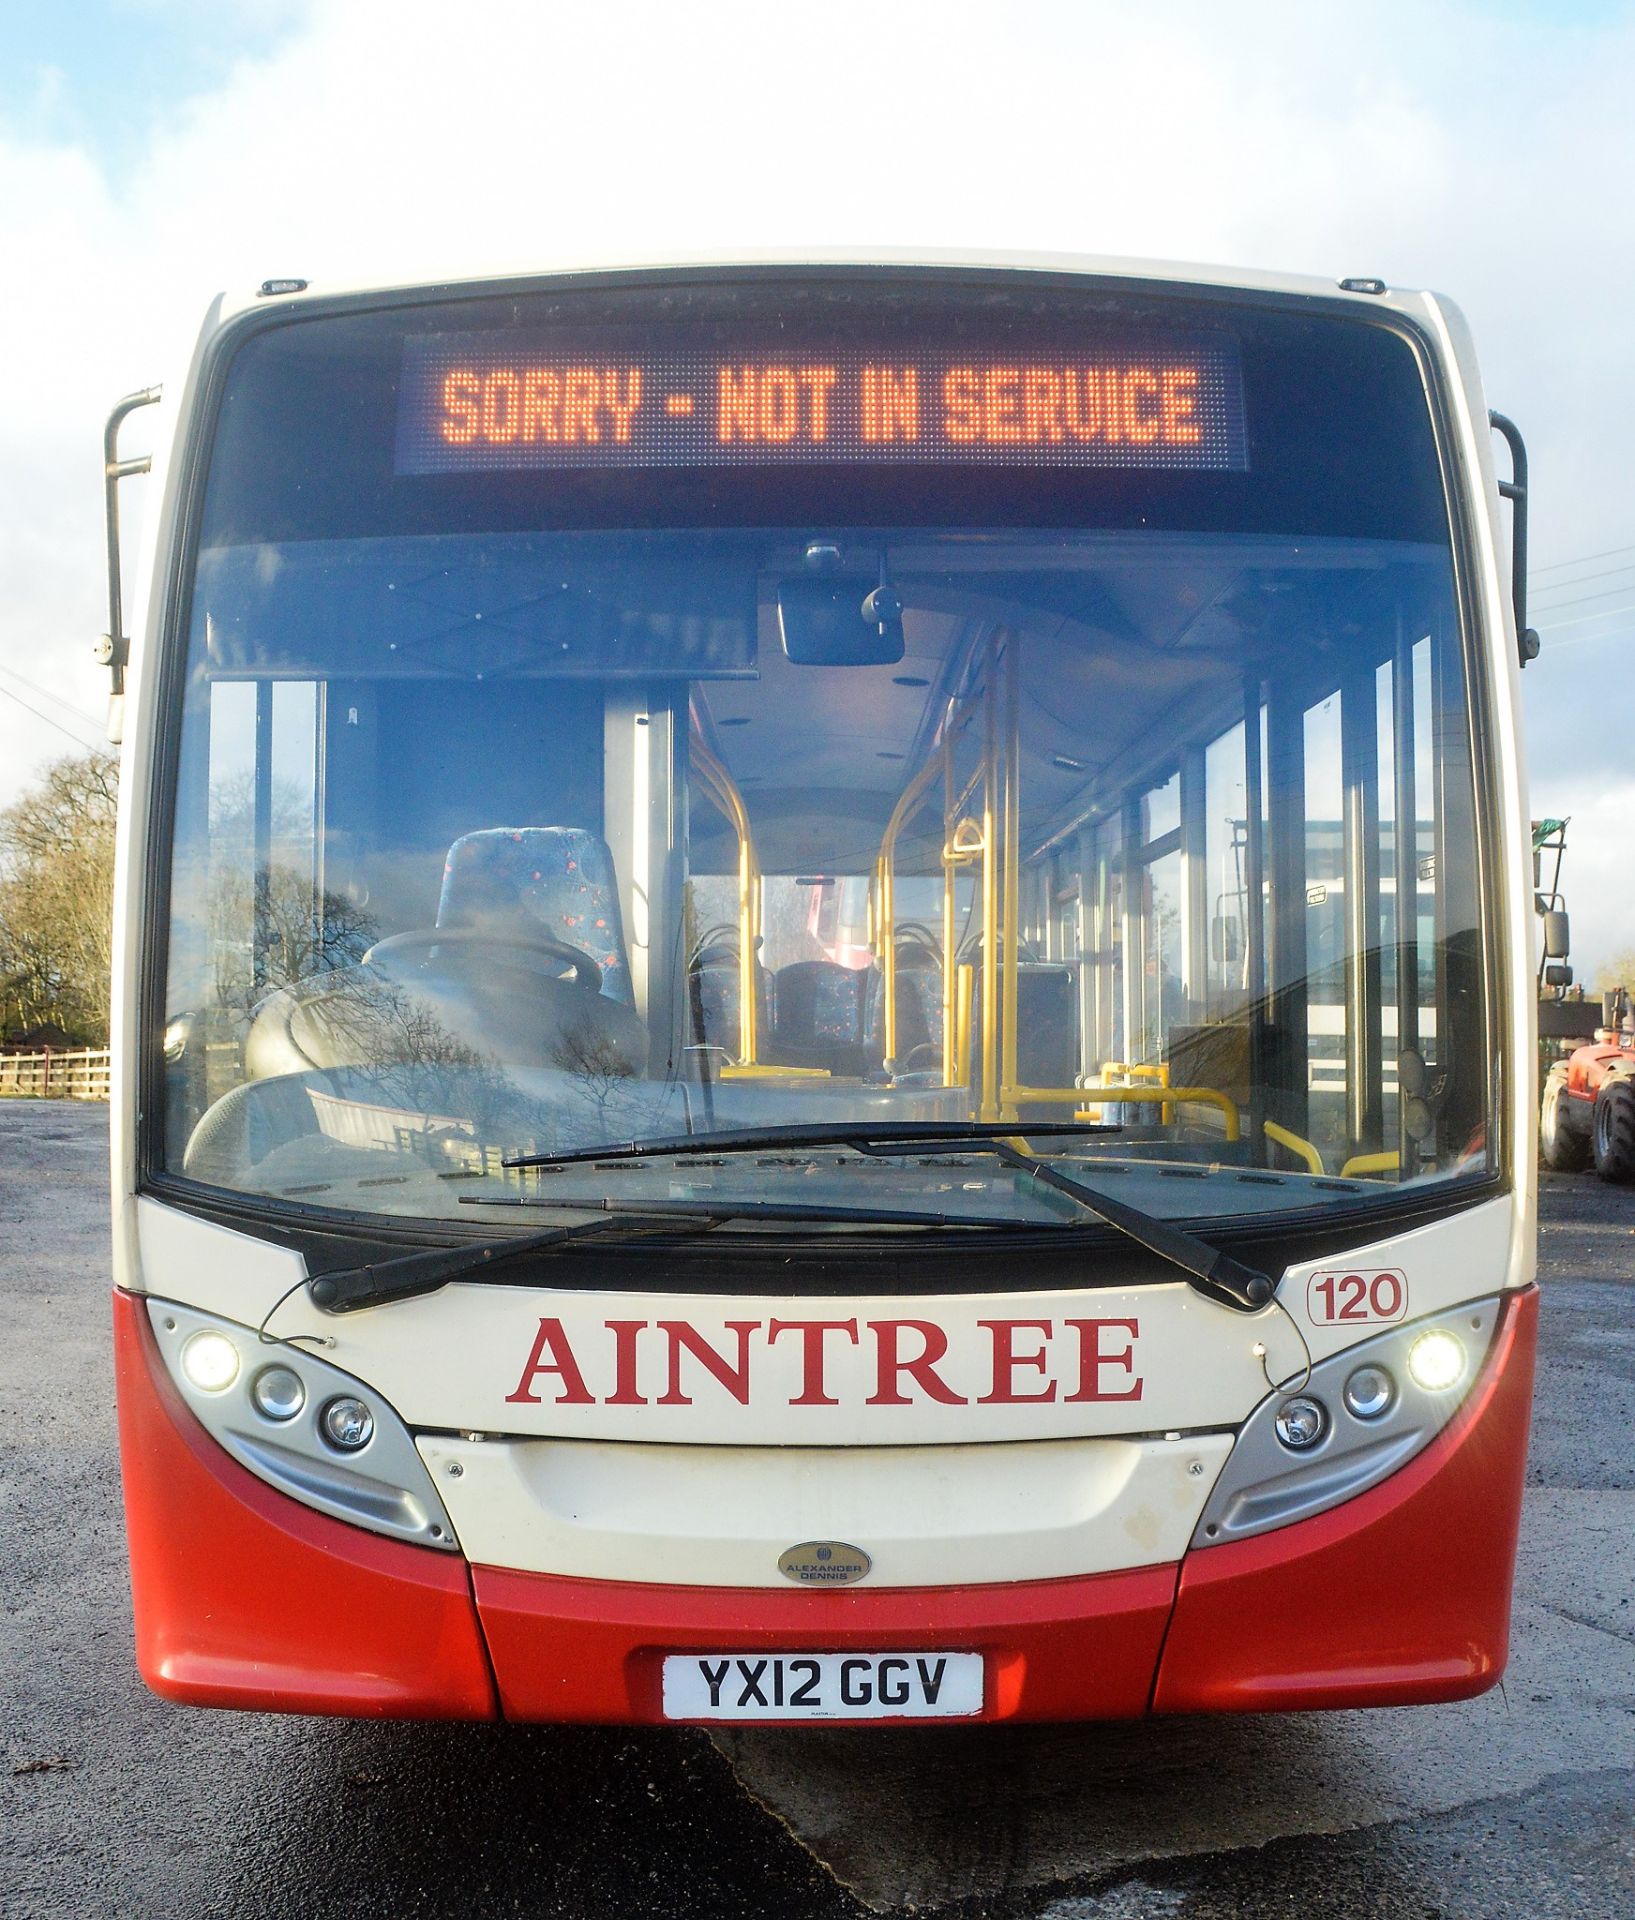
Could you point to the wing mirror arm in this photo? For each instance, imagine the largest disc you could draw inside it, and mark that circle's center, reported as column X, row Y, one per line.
column 1515, row 491
column 114, row 649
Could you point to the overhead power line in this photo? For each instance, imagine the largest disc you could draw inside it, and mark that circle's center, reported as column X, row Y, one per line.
column 68, row 706
column 1605, row 593
column 1583, row 560
column 1584, row 619
column 1586, row 640
column 1583, row 580
column 89, row 745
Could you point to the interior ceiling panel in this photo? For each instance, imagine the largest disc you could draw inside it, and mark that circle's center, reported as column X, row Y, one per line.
column 1113, row 633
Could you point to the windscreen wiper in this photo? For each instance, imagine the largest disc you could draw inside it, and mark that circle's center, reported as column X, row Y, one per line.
column 1211, row 1272
column 913, row 1134
column 720, row 1211
column 346, row 1289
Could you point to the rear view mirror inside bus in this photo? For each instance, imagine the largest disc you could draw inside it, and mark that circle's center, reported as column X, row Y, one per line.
column 840, row 620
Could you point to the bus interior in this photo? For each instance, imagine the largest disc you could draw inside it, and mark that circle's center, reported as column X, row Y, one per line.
column 503, row 844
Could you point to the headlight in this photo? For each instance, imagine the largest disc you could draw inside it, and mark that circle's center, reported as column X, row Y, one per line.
column 1436, row 1360
column 347, row 1423
column 1350, row 1422
column 318, row 1434
column 210, row 1361
column 278, row 1393
column 1369, row 1393
column 1301, row 1423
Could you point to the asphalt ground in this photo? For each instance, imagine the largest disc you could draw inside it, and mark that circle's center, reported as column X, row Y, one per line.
column 113, row 1803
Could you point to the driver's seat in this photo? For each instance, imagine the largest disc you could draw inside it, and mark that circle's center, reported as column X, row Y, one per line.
column 559, row 881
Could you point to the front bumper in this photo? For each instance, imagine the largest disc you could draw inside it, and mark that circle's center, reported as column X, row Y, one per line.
column 245, row 1598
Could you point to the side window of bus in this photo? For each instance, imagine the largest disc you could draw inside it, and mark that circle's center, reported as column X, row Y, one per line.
column 1245, row 929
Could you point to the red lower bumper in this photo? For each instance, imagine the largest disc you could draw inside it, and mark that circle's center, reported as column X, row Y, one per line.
column 1056, row 1649
column 1397, row 1597
column 245, row 1598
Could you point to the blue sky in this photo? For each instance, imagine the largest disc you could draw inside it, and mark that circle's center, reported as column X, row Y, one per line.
column 103, row 73
column 152, row 151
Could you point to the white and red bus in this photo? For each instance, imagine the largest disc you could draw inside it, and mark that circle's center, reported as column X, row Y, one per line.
column 823, row 1003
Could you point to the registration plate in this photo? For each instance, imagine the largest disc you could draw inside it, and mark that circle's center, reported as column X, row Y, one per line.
column 822, row 1686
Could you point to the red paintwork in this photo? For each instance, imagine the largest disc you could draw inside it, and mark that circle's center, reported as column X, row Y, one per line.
column 1080, row 1649
column 245, row 1598
column 1587, row 1066
column 1399, row 1596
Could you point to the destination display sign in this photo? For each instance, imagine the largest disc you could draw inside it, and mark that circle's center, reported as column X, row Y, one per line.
column 493, row 401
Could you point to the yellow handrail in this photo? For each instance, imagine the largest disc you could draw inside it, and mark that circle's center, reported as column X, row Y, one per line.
column 720, row 787
column 1011, row 875
column 1302, row 1149
column 989, row 1107
column 950, row 960
column 884, row 931
column 1371, row 1163
column 965, row 977
column 1112, row 1096
column 1157, row 1072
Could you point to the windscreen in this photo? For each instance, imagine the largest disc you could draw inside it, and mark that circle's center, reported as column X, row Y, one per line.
column 624, row 714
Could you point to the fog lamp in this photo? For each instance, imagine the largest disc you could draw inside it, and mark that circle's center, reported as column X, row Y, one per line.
column 1369, row 1393
column 278, row 1393
column 210, row 1361
column 1301, row 1423
column 1436, row 1360
column 347, row 1423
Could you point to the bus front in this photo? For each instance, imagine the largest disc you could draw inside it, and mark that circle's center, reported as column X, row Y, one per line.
column 819, row 1014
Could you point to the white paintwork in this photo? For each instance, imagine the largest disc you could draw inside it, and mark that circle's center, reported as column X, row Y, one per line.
column 1502, row 756
column 926, row 1516
column 451, row 1359
column 511, row 274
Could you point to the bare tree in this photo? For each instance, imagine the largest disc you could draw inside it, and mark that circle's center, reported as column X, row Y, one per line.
column 56, row 900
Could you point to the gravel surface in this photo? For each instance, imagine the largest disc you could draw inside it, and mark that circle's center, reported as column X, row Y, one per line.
column 113, row 1803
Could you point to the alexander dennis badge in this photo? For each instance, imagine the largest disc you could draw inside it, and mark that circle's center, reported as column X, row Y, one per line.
column 824, row 1563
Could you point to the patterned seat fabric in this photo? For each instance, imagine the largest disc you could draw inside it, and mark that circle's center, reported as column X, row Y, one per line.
column 558, row 881
column 821, row 1016
column 715, row 983
column 919, row 1006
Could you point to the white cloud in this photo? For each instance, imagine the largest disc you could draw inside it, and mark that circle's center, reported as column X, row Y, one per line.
column 1431, row 143
column 1595, row 874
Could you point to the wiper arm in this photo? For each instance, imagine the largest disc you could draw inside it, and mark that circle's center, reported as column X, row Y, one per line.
column 346, row 1289
column 912, row 1135
column 718, row 1212
column 1212, row 1273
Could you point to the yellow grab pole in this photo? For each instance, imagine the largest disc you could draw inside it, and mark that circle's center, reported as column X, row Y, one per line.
column 885, row 929
column 990, row 896
column 965, row 977
column 950, row 875
column 723, row 790
column 1012, row 871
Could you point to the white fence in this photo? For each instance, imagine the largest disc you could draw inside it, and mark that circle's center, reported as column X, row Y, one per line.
column 56, row 1074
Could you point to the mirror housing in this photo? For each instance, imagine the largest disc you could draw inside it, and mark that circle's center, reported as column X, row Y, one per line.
column 1557, row 943
column 840, row 620
column 1225, row 940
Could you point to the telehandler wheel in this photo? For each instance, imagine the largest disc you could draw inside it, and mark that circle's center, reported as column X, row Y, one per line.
column 1615, row 1132
column 1563, row 1147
